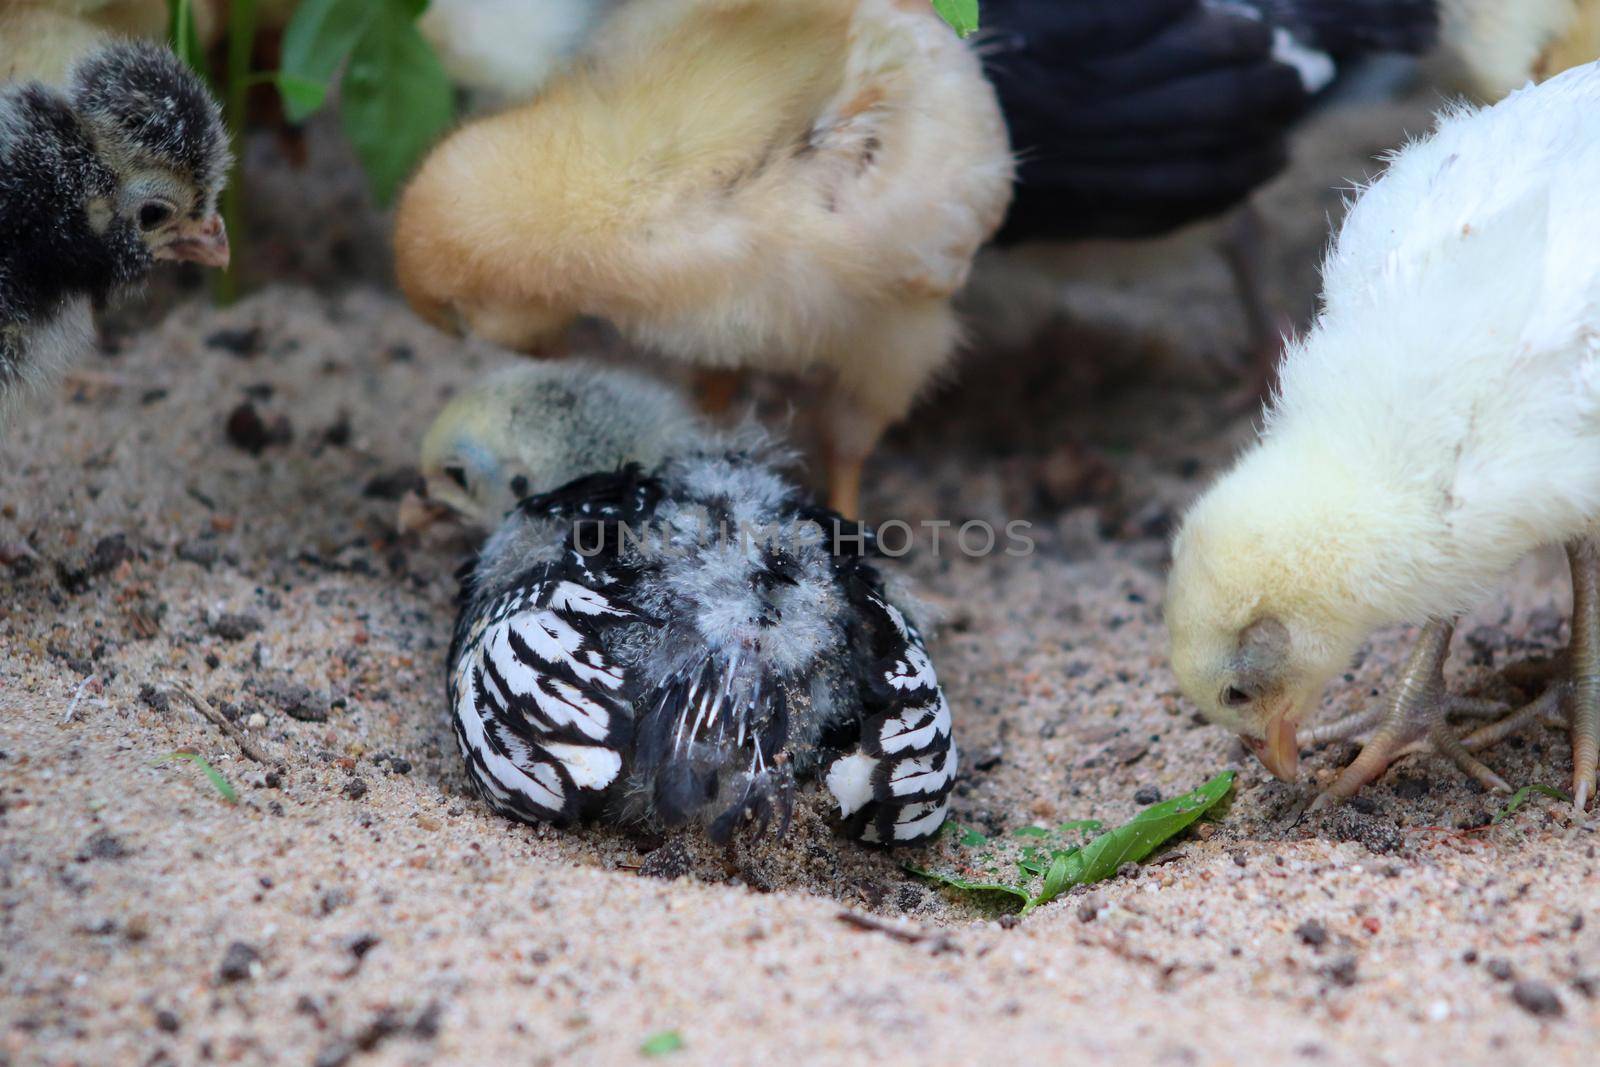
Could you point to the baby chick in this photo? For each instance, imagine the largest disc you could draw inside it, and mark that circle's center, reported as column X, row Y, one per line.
column 41, row 40
column 731, row 182
column 97, row 181
column 1502, row 46
column 661, row 631
column 508, row 49
column 1438, row 423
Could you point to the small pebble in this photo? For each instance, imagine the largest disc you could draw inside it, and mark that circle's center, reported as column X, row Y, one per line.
column 1342, row 971
column 1499, row 969
column 235, row 627
column 1312, row 933
column 1147, row 794
column 355, row 789
column 1536, row 998
column 238, row 962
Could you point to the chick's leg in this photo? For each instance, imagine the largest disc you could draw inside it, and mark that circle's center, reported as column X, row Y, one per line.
column 850, row 433
column 1583, row 656
column 1243, row 245
column 877, row 378
column 716, row 389
column 1416, row 712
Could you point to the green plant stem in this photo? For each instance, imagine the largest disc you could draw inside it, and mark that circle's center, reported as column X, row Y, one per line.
column 241, row 48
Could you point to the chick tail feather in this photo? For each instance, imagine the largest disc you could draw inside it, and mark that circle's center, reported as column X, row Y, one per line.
column 712, row 747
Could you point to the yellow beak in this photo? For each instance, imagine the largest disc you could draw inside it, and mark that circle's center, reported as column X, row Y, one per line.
column 1279, row 752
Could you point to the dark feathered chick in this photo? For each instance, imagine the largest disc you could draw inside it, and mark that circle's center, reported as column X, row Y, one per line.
column 1134, row 117
column 98, row 180
column 663, row 631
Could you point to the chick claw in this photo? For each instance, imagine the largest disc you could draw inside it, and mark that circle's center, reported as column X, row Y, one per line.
column 1413, row 720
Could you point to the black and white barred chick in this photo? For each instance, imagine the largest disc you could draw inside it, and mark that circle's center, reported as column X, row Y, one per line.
column 98, row 180
column 662, row 630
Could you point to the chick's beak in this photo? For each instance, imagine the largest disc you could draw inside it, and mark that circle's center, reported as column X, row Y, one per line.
column 418, row 513
column 204, row 242
column 1279, row 751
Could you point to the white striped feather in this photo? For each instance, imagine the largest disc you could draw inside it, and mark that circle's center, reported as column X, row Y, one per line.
column 535, row 659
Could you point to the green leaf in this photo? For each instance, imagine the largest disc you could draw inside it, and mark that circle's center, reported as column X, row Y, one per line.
column 972, row 838
column 1147, row 831
column 1055, row 879
column 222, row 785
column 1080, row 824
column 1520, row 797
column 396, row 98
column 1030, row 831
column 184, row 36
column 1019, row 893
column 1100, row 858
column 319, row 37
column 960, row 14
column 661, row 1044
column 299, row 94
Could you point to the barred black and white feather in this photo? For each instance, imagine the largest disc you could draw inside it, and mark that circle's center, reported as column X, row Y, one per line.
column 685, row 645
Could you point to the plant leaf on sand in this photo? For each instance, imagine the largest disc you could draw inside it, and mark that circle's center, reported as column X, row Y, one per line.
column 1520, row 797
column 661, row 1044
column 1061, row 868
column 222, row 784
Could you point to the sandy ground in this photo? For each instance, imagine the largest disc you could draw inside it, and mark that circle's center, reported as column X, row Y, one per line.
column 359, row 906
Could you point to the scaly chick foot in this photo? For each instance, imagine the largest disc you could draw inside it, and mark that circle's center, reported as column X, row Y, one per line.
column 1415, row 715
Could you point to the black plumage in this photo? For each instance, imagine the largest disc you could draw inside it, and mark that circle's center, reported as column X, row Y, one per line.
column 97, row 181
column 1132, row 118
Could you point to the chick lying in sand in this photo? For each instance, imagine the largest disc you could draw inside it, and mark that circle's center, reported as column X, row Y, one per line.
column 662, row 631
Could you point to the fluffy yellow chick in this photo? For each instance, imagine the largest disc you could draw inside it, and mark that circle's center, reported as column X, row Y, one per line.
column 41, row 39
column 795, row 186
column 1501, row 45
column 1440, row 421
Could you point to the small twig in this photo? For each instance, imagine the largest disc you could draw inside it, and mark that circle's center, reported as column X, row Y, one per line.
column 72, row 706
column 909, row 936
column 246, row 746
column 97, row 379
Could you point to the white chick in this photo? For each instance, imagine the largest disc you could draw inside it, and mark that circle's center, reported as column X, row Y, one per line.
column 508, row 49
column 1440, row 421
column 800, row 186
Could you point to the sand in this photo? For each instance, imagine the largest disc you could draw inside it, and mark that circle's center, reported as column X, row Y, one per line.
column 358, row 905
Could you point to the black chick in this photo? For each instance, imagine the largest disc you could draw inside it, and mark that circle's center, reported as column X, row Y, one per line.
column 1132, row 118
column 97, row 181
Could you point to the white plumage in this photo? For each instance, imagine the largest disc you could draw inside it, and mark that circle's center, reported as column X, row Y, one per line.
column 509, row 48
column 1440, row 420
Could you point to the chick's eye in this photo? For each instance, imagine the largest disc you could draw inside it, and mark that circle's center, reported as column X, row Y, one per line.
column 153, row 213
column 1234, row 697
column 457, row 475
